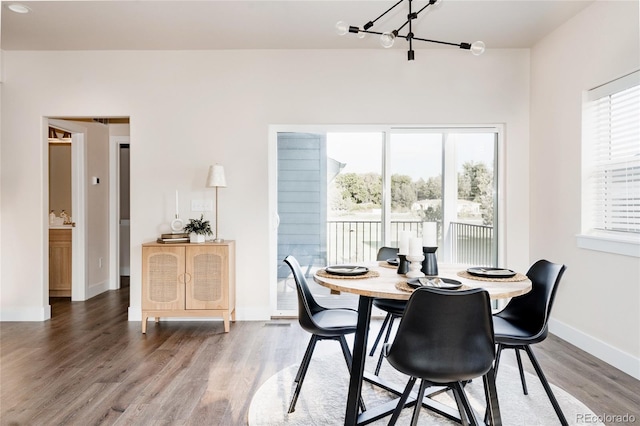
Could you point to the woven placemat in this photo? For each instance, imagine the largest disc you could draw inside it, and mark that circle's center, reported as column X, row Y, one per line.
column 385, row 264
column 403, row 286
column 517, row 277
column 369, row 274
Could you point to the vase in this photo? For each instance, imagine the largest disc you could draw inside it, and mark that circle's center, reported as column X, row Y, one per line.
column 430, row 263
column 196, row 238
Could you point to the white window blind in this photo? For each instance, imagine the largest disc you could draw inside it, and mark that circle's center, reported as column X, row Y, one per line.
column 614, row 121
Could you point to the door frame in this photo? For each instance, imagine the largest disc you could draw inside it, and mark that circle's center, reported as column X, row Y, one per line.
column 114, row 208
column 387, row 129
column 79, row 280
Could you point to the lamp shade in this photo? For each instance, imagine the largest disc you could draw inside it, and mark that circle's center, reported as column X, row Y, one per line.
column 216, row 177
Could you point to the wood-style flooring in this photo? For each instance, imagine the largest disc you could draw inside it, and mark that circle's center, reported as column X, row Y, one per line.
column 89, row 366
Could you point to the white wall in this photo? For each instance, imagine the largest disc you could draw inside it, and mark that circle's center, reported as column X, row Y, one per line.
column 191, row 109
column 598, row 303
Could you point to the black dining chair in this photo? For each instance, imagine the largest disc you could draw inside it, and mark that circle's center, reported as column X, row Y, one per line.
column 323, row 324
column 393, row 308
column 524, row 322
column 445, row 338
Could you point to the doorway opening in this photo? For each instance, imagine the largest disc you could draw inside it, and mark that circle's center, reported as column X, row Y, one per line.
column 88, row 198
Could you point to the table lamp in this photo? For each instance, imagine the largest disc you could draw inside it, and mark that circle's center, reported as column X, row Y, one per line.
column 216, row 180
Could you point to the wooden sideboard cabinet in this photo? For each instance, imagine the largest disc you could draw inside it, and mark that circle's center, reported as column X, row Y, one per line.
column 60, row 262
column 188, row 280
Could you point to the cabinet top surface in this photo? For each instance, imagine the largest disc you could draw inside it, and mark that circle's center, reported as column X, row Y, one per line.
column 208, row 243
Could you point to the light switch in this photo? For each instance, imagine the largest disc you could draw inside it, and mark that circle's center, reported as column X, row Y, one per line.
column 201, row 205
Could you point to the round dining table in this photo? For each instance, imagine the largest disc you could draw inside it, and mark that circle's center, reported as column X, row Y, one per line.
column 383, row 281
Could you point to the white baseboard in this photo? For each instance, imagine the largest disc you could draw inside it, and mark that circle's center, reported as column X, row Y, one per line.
column 30, row 313
column 96, row 289
column 596, row 347
column 135, row 313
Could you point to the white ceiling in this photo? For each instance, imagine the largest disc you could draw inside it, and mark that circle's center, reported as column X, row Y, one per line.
column 268, row 24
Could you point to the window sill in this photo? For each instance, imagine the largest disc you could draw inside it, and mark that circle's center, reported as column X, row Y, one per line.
column 602, row 241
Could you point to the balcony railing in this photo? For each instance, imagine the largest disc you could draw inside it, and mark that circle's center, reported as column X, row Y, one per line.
column 359, row 241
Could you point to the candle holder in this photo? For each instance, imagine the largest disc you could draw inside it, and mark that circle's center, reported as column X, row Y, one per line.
column 430, row 263
column 414, row 267
column 403, row 264
column 177, row 225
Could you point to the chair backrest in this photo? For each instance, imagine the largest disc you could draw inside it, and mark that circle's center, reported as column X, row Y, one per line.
column 385, row 253
column 531, row 311
column 445, row 336
column 307, row 305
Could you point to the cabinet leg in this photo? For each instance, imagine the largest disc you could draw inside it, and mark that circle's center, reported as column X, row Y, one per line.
column 233, row 316
column 145, row 317
column 225, row 319
column 157, row 320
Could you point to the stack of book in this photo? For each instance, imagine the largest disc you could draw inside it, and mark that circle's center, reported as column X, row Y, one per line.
column 173, row 238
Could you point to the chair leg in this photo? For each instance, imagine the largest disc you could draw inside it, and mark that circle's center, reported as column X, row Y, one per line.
column 546, row 386
column 492, row 416
column 418, row 406
column 302, row 371
column 386, row 339
column 522, row 379
column 402, row 401
column 382, row 328
column 467, row 415
column 495, row 374
column 349, row 359
column 497, row 361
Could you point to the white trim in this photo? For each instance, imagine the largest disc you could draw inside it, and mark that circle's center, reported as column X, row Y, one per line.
column 386, row 129
column 114, row 209
column 610, row 243
column 78, row 199
column 31, row 314
column 596, row 347
column 135, row 313
column 97, row 289
column 618, row 85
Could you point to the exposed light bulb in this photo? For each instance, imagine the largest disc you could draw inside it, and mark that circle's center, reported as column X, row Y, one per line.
column 18, row 8
column 387, row 39
column 361, row 34
column 342, row 28
column 477, row 48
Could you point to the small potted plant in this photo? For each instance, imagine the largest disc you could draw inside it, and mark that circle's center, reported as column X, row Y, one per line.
column 198, row 229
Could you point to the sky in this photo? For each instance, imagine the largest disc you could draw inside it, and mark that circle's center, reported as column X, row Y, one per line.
column 416, row 155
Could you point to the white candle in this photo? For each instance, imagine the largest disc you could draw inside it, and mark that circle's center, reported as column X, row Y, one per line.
column 415, row 246
column 429, row 234
column 176, row 203
column 403, row 243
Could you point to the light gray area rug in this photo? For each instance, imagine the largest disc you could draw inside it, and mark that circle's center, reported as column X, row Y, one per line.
column 324, row 393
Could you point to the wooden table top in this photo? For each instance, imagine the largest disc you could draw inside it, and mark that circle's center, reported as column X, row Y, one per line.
column 384, row 286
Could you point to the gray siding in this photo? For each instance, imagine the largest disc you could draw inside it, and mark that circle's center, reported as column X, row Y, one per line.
column 302, row 199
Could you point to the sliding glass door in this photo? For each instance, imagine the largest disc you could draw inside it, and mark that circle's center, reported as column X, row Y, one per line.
column 341, row 195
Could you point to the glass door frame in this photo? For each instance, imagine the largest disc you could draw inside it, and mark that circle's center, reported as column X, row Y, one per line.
column 387, row 131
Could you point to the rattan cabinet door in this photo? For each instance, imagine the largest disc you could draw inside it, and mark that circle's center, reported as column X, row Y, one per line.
column 207, row 282
column 163, row 278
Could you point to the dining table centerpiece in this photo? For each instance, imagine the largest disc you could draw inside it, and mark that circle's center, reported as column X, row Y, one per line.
column 198, row 229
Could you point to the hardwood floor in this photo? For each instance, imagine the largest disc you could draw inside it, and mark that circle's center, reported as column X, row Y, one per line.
column 88, row 365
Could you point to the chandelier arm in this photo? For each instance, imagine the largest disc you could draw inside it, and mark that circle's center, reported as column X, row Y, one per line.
column 405, row 36
column 461, row 45
column 423, row 8
column 371, row 32
column 370, row 23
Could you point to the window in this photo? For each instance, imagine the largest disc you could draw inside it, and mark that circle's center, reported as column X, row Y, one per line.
column 611, row 166
column 345, row 191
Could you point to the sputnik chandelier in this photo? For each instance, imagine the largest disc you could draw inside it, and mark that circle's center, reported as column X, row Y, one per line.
column 387, row 38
